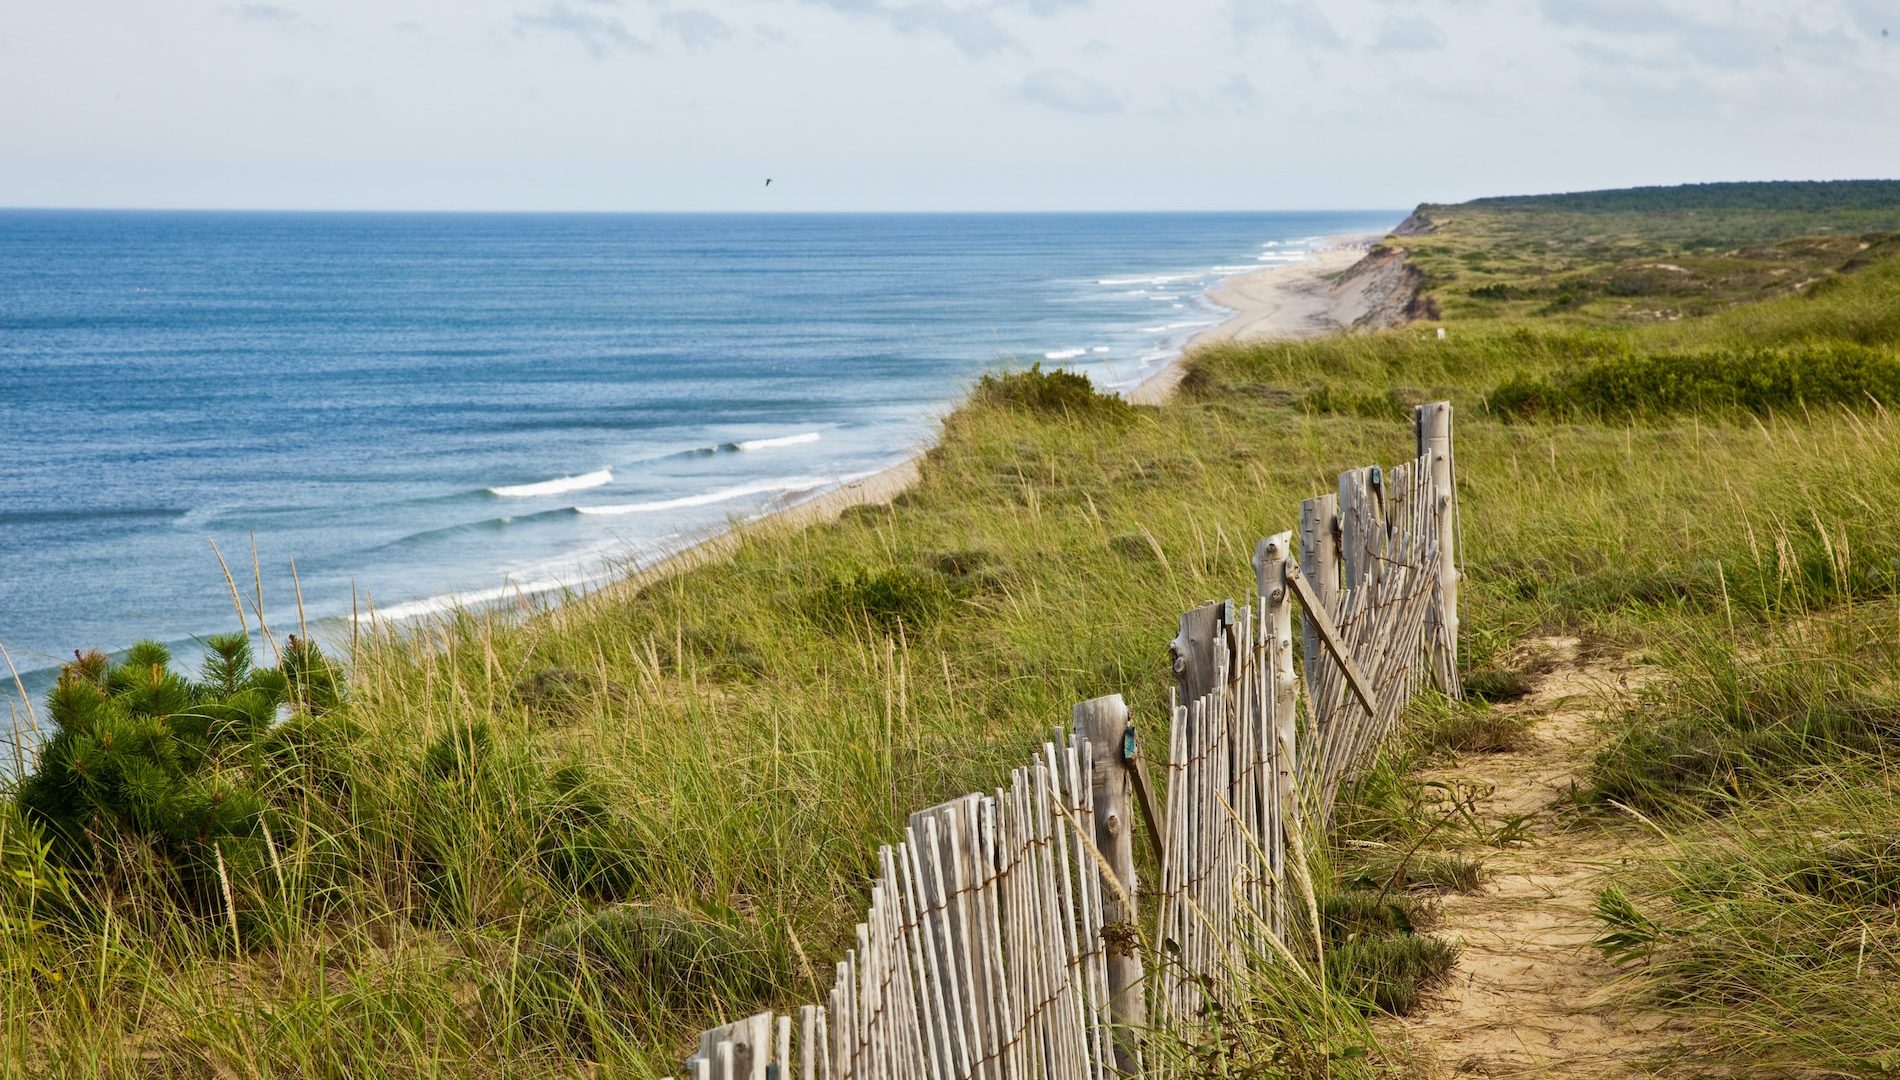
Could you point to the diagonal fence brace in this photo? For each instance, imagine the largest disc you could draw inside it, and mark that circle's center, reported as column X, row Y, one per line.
column 1329, row 635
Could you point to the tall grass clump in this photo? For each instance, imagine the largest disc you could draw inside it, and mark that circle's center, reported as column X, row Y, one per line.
column 1733, row 719
column 1773, row 933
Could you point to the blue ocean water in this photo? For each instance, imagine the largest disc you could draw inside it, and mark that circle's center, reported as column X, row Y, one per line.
column 421, row 410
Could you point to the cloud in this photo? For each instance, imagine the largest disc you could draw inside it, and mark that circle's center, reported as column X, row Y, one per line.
column 265, row 15
column 600, row 35
column 1044, row 7
column 973, row 30
column 1879, row 18
column 1065, row 91
column 1658, row 39
column 1298, row 22
column 696, row 29
column 1238, row 89
column 1611, row 16
column 1725, row 46
column 1408, row 33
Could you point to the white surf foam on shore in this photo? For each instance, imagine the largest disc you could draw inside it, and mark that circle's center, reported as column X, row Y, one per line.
column 780, row 440
column 610, row 560
column 574, row 572
column 473, row 598
column 557, row 486
column 1064, row 354
column 708, row 498
column 1157, row 279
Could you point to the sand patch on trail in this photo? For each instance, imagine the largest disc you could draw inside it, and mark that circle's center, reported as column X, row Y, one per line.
column 1530, row 996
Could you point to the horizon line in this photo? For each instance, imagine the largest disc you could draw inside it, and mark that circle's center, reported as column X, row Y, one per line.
column 6, row 209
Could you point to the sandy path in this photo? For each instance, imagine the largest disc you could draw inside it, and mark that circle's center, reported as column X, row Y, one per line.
column 1530, row 997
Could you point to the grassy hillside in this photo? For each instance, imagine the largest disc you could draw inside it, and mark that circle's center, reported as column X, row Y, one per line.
column 557, row 847
column 1705, row 492
column 1646, row 254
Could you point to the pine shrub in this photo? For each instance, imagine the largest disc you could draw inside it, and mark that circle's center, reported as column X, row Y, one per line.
column 143, row 759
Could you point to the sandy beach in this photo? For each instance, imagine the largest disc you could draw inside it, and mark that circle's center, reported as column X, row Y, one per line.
column 1288, row 301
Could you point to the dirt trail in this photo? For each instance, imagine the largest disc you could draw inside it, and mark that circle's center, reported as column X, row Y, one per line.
column 1529, row 996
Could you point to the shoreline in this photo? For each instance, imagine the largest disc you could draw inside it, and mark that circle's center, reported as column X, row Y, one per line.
column 1292, row 300
column 1273, row 303
column 1286, row 301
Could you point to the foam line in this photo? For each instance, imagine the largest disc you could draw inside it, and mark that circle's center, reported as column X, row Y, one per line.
column 557, row 486
column 706, row 498
column 782, row 440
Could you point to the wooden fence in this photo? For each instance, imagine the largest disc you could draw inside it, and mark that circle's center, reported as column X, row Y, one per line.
column 1002, row 937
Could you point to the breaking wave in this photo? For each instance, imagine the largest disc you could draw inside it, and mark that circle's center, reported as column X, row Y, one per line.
column 557, row 486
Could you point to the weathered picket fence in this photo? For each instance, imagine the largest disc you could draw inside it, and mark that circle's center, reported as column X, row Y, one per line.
column 1002, row 939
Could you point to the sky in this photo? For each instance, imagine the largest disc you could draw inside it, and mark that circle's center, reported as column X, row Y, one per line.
column 928, row 104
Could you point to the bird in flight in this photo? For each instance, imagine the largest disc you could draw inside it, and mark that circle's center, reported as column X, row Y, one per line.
column 768, row 181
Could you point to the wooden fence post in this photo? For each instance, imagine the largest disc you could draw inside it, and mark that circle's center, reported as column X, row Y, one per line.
column 1201, row 658
column 1103, row 721
column 1319, row 556
column 1273, row 567
column 1433, row 423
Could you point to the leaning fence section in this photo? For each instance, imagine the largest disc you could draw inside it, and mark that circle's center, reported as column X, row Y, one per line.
column 981, row 955
column 1003, row 936
column 1387, row 559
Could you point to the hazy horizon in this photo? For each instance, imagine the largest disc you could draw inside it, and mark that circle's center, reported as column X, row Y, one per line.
column 928, row 105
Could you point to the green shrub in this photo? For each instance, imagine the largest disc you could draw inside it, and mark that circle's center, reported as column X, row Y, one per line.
column 582, row 845
column 1754, row 380
column 1491, row 682
column 554, row 694
column 460, row 753
column 886, row 601
column 1856, row 871
column 1497, row 290
column 1050, row 393
column 143, row 758
column 1359, row 914
column 712, row 650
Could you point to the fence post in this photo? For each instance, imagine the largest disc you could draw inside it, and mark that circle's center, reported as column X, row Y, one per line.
column 1200, row 648
column 1319, row 556
column 1272, row 559
column 1103, row 721
column 1433, row 423
column 1357, row 526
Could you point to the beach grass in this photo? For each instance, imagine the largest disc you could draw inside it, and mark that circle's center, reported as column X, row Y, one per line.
column 561, row 845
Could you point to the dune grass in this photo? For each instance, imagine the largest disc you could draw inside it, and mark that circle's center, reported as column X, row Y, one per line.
column 578, row 838
column 559, row 845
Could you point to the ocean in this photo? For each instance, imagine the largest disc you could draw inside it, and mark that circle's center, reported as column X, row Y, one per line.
column 426, row 410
